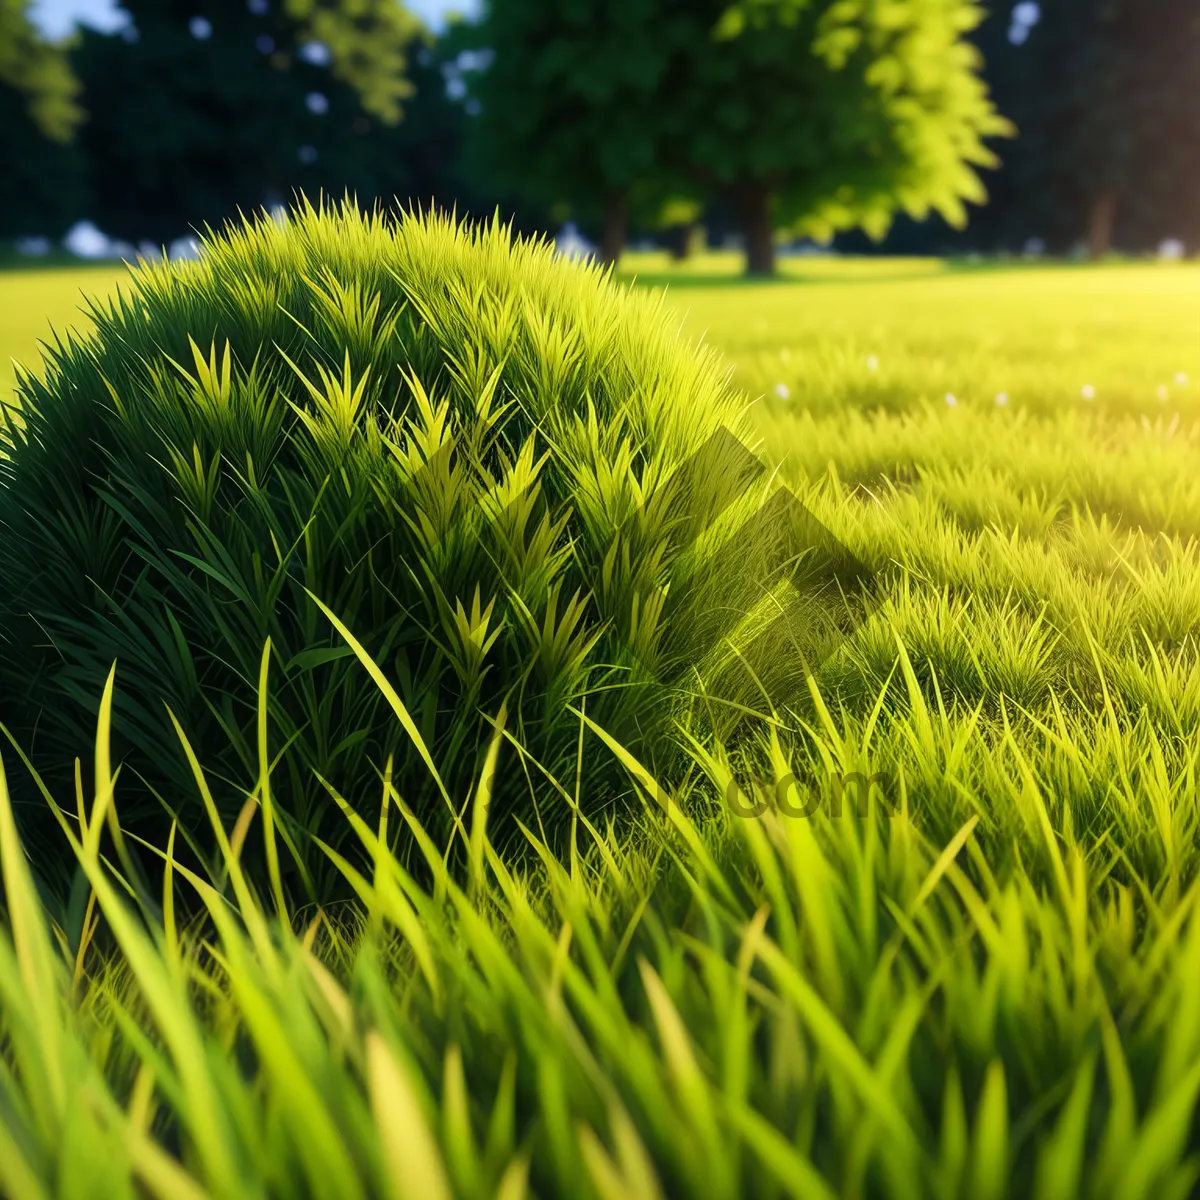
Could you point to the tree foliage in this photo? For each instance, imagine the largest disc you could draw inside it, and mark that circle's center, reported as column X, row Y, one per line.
column 848, row 110
column 1108, row 145
column 39, row 71
column 367, row 42
column 571, row 105
column 809, row 115
column 185, row 129
column 806, row 117
column 1114, row 141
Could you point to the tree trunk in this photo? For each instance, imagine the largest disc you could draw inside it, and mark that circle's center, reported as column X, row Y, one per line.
column 677, row 242
column 754, row 208
column 616, row 227
column 1100, row 223
column 684, row 240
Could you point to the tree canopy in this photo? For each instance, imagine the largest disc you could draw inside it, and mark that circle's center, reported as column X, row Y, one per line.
column 367, row 42
column 570, row 98
column 814, row 118
column 810, row 116
column 1115, row 128
column 39, row 71
column 192, row 116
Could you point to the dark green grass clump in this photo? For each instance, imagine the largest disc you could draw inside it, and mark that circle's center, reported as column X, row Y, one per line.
column 445, row 437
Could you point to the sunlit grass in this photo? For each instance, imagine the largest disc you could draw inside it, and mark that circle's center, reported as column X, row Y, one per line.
column 889, row 333
column 446, row 437
column 984, row 986
column 35, row 302
column 900, row 1003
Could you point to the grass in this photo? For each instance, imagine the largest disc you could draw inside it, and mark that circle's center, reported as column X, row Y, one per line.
column 479, row 493
column 35, row 302
column 989, row 990
column 1037, row 333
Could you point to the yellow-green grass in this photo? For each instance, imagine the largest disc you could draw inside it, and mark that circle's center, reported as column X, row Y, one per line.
column 1038, row 558
column 1079, row 489
column 992, row 993
column 1039, row 553
column 35, row 302
column 1039, row 334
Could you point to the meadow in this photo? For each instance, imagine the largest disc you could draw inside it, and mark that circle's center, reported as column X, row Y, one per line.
column 984, row 983
column 34, row 302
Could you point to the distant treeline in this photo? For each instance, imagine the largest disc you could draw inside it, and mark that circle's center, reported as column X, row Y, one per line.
column 190, row 117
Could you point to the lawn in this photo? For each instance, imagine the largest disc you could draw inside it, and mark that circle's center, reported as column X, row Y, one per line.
column 33, row 302
column 986, row 985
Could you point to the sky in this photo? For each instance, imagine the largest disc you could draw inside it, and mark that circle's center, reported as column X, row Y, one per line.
column 57, row 17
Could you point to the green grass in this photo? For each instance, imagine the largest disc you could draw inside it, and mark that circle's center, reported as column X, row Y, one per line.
column 444, row 438
column 1038, row 333
column 35, row 302
column 993, row 991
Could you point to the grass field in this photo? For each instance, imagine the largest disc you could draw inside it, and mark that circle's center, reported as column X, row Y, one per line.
column 991, row 990
column 33, row 302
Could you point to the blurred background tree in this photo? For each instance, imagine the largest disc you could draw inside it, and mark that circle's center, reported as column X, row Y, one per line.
column 42, row 179
column 1116, row 151
column 872, row 122
column 1106, row 154
column 192, row 116
column 39, row 72
column 574, row 108
column 811, row 116
column 818, row 116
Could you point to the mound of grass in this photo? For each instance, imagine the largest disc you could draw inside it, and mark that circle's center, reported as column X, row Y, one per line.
column 451, row 446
